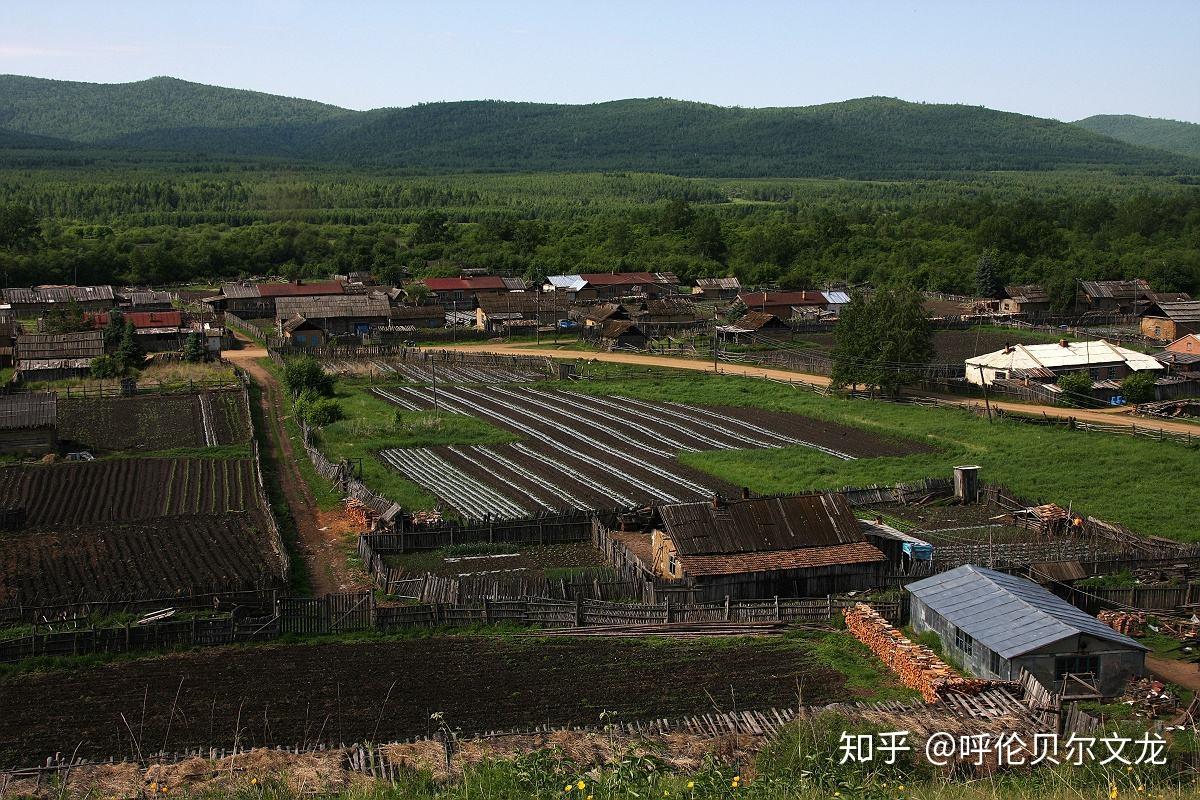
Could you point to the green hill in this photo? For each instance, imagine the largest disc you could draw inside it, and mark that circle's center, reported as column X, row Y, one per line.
column 1166, row 134
column 97, row 112
column 866, row 138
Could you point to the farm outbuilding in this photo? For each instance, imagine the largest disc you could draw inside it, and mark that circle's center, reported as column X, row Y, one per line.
column 157, row 331
column 613, row 286
column 997, row 624
column 717, row 288
column 348, row 315
column 57, row 356
column 1167, row 321
column 805, row 545
column 784, row 305
column 29, row 423
column 148, row 300
column 755, row 325
column 1029, row 299
column 1123, row 297
column 622, row 333
column 38, row 300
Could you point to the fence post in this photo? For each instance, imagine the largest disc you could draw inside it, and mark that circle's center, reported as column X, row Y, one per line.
column 668, row 609
column 778, row 615
column 829, row 606
column 727, row 609
column 487, row 611
column 579, row 612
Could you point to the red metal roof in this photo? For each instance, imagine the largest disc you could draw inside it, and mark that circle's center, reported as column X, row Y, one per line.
column 804, row 298
column 142, row 319
column 465, row 284
column 300, row 289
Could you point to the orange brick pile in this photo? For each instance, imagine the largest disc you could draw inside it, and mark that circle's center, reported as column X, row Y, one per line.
column 1130, row 623
column 915, row 665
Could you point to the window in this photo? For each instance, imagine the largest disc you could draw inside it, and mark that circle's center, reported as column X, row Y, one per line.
column 1095, row 373
column 963, row 641
column 672, row 564
column 996, row 664
column 1112, row 372
column 1075, row 665
column 1157, row 331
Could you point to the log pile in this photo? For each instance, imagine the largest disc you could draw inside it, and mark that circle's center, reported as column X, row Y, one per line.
column 1130, row 623
column 360, row 513
column 915, row 665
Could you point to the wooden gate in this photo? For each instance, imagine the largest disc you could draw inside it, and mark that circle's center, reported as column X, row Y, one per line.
column 333, row 613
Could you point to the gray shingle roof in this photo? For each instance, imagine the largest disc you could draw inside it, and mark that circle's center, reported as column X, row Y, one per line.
column 1008, row 615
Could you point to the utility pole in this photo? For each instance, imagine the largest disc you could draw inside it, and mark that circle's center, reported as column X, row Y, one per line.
column 986, row 404
column 537, row 315
column 716, row 347
column 454, row 320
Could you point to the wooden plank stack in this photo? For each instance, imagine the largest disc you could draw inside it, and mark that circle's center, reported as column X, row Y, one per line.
column 915, row 665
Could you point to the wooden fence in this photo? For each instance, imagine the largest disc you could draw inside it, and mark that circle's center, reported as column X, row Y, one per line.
column 246, row 328
column 1144, row 598
column 280, row 350
column 344, row 613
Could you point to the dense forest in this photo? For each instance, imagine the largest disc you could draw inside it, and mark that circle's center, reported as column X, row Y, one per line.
column 866, row 138
column 200, row 223
column 1166, row 134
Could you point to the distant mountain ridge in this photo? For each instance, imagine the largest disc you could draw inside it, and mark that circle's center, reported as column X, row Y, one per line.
column 1166, row 134
column 873, row 137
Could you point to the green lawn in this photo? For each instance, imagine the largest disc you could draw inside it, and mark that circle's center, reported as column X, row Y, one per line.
column 1101, row 474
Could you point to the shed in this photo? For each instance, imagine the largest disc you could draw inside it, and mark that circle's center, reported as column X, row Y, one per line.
column 37, row 300
column 353, row 314
column 55, row 356
column 622, row 333
column 1030, row 299
column 784, row 305
column 717, row 288
column 29, row 423
column 793, row 546
column 148, row 300
column 1123, row 297
column 755, row 325
column 997, row 624
column 1170, row 320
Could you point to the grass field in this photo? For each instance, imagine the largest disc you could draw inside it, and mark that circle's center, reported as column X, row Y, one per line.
column 1106, row 478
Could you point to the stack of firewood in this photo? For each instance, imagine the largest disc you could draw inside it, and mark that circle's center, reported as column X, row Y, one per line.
column 360, row 513
column 1130, row 623
column 915, row 665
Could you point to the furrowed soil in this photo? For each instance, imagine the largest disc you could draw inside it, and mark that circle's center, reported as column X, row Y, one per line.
column 150, row 422
column 336, row 692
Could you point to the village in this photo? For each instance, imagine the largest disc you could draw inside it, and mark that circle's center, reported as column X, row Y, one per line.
column 590, row 459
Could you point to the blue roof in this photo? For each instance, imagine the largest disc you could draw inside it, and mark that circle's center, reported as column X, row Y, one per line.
column 1008, row 615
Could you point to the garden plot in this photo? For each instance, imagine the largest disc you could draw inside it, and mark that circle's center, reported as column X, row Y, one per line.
column 594, row 451
column 424, row 372
column 154, row 422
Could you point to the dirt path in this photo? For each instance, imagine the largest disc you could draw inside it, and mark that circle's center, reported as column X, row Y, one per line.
column 1179, row 673
column 322, row 535
column 1108, row 416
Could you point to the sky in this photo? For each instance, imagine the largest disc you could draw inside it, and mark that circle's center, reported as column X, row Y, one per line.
column 1060, row 59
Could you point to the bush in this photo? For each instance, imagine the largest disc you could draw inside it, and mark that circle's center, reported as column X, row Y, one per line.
column 317, row 411
column 1138, row 387
column 106, row 367
column 1076, row 389
column 194, row 350
column 305, row 374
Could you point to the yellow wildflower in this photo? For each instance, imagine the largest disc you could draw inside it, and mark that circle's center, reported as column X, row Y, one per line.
column 1112, row 793
column 691, row 784
column 568, row 788
column 581, row 785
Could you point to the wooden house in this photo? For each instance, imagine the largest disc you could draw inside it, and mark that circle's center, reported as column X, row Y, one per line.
column 1169, row 320
column 1045, row 363
column 613, row 286
column 257, row 300
column 1116, row 297
column 520, row 310
column 147, row 300
column 1029, row 299
column 755, row 326
column 29, row 423
column 57, row 356
column 717, row 288
column 464, row 293
column 38, row 300
column 997, row 625
column 346, row 315
column 599, row 315
column 784, row 305
column 157, row 331
column 1182, row 355
column 807, row 545
column 622, row 333
column 426, row 316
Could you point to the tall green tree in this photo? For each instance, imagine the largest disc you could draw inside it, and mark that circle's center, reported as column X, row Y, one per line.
column 853, row 343
column 988, row 280
column 883, row 342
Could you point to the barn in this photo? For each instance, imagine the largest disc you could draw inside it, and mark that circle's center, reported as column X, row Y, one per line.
column 755, row 325
column 805, row 545
column 57, row 356
column 36, row 301
column 346, row 315
column 28, row 423
column 997, row 624
column 622, row 333
column 1029, row 299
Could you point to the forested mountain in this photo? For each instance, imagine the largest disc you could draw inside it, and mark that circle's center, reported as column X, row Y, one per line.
column 1166, row 134
column 865, row 138
column 98, row 112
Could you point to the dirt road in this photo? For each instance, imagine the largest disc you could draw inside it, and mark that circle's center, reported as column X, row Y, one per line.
column 1114, row 416
column 1179, row 673
column 323, row 535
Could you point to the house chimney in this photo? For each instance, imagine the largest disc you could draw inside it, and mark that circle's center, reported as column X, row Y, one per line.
column 1063, row 343
column 745, row 492
column 1007, row 348
column 716, row 502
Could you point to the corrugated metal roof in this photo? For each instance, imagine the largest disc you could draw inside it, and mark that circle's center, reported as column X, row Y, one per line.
column 719, row 283
column 58, row 294
column 1008, row 615
column 55, row 346
column 141, row 319
column 837, row 298
column 28, row 410
column 568, row 283
column 1117, row 290
column 624, row 278
column 239, row 291
column 150, row 298
column 762, row 524
column 1056, row 356
column 353, row 305
column 1178, row 311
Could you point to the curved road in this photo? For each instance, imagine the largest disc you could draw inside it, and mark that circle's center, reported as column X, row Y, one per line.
column 1106, row 416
